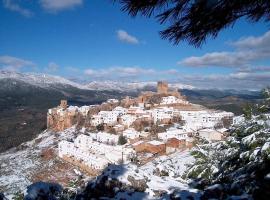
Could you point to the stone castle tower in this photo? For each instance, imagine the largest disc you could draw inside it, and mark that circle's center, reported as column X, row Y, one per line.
column 162, row 87
column 63, row 104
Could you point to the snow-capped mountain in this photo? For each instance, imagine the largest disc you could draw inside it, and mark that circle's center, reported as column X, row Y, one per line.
column 47, row 81
column 130, row 86
column 39, row 80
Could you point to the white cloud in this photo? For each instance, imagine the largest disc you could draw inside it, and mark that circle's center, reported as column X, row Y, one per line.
column 52, row 67
column 219, row 59
column 253, row 42
column 236, row 80
column 255, row 69
column 13, row 63
column 127, row 38
column 72, row 69
column 248, row 50
column 91, row 72
column 13, row 6
column 55, row 6
column 117, row 71
column 128, row 73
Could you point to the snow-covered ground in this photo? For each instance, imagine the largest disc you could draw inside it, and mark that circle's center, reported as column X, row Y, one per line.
column 19, row 165
column 162, row 175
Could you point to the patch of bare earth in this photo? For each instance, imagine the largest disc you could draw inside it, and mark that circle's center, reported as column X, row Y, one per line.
column 56, row 171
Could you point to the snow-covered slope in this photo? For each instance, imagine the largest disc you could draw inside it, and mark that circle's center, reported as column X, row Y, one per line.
column 39, row 80
column 158, row 179
column 19, row 166
column 36, row 160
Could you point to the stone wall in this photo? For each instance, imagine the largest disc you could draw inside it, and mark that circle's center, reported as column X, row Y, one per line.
column 58, row 122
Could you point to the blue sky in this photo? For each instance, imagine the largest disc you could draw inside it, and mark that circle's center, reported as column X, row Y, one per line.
column 94, row 40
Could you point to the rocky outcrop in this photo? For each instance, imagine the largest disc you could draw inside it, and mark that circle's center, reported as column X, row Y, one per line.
column 139, row 185
column 59, row 121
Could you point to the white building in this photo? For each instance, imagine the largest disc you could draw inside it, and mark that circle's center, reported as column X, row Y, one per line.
column 162, row 113
column 172, row 100
column 180, row 134
column 94, row 154
column 108, row 117
column 96, row 120
column 82, row 155
column 127, row 119
column 112, row 100
column 135, row 110
column 210, row 134
column 84, row 110
column 203, row 119
column 131, row 133
column 119, row 110
column 104, row 137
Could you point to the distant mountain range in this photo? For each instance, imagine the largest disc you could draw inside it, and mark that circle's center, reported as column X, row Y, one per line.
column 131, row 86
column 22, row 83
column 50, row 81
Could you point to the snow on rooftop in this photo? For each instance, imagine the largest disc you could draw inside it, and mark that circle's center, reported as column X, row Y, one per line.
column 137, row 143
column 155, row 142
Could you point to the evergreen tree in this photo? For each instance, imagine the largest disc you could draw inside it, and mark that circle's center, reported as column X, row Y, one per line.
column 194, row 21
column 241, row 164
column 122, row 140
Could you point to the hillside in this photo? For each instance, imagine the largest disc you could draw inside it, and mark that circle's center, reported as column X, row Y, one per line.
column 37, row 160
column 24, row 102
column 25, row 99
column 228, row 100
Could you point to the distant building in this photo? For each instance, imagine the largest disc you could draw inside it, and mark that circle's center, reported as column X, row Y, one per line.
column 63, row 104
column 173, row 100
column 162, row 87
column 210, row 134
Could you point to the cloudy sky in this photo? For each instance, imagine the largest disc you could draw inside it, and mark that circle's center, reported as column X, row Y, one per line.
column 94, row 40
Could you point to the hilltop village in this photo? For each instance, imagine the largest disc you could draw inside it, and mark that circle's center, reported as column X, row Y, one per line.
column 135, row 129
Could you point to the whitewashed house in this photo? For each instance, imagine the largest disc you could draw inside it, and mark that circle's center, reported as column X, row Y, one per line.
column 93, row 154
column 84, row 110
column 127, row 119
column 180, row 134
column 131, row 133
column 104, row 137
column 162, row 113
column 112, row 100
column 172, row 100
column 210, row 134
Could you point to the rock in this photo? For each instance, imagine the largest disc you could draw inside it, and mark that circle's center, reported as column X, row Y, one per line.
column 2, row 196
column 43, row 190
column 213, row 192
column 139, row 185
column 159, row 193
